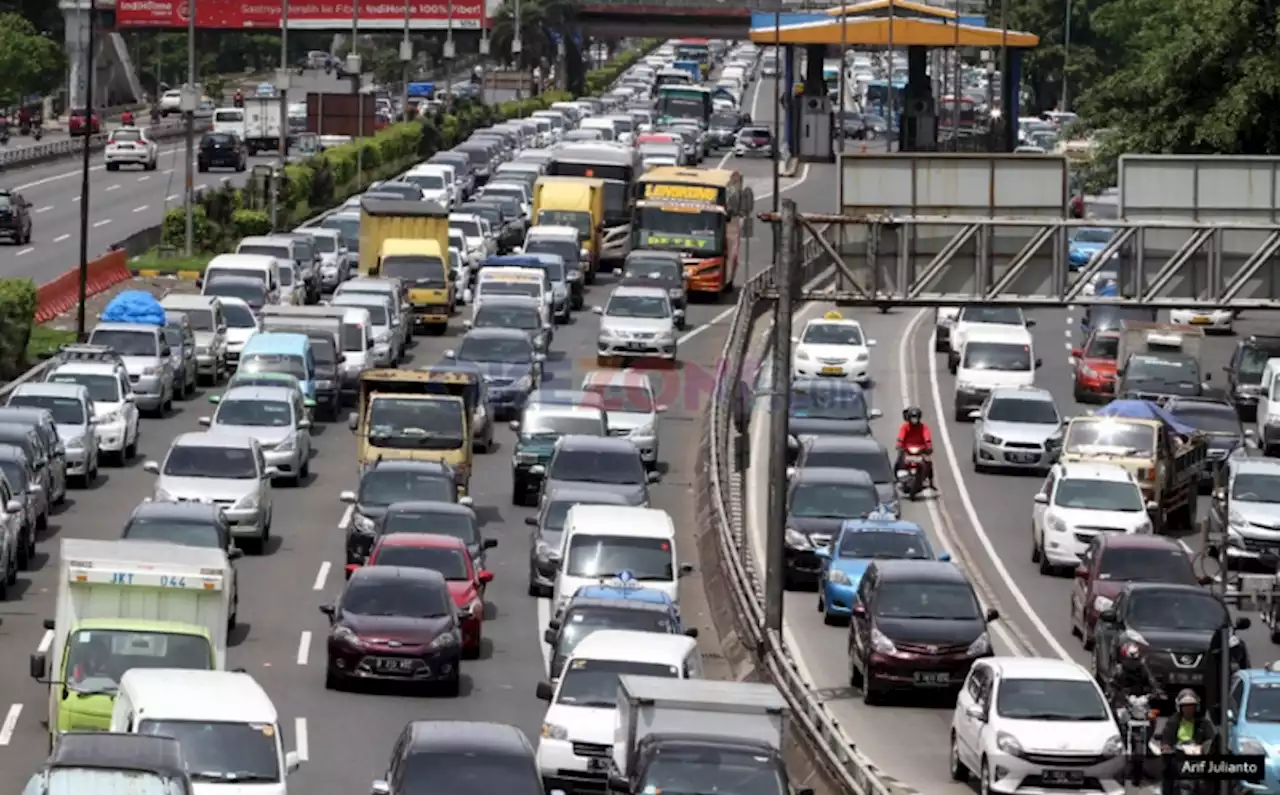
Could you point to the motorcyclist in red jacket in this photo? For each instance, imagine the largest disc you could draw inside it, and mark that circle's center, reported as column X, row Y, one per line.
column 913, row 434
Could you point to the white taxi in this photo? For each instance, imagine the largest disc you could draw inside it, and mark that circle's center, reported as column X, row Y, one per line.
column 1077, row 502
column 1219, row 320
column 832, row 347
column 131, row 146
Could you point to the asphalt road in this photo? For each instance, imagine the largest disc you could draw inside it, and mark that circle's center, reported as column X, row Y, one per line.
column 346, row 738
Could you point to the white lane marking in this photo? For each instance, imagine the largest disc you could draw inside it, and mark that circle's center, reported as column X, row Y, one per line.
column 144, row 178
column 688, row 335
column 544, row 618
column 940, row 528
column 167, row 171
column 44, row 209
column 46, row 641
column 321, row 576
column 1067, row 333
column 103, row 222
column 304, row 647
column 345, row 521
column 60, row 238
column 141, row 209
column 979, row 530
column 172, row 197
column 25, row 251
column 75, row 198
column 113, row 187
column 301, row 741
column 10, row 724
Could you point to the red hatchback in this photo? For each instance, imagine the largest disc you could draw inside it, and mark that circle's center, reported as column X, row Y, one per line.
column 81, row 122
column 449, row 556
column 1113, row 561
column 1095, row 374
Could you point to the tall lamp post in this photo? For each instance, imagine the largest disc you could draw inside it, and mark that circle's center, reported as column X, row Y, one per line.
column 1066, row 58
column 84, row 178
column 189, row 102
column 356, row 69
column 406, row 58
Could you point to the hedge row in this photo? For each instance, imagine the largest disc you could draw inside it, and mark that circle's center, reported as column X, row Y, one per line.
column 224, row 216
column 18, row 308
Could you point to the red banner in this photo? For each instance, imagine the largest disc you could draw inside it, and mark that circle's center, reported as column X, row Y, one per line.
column 304, row 15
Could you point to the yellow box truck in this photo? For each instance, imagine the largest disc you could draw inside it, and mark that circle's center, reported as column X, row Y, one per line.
column 572, row 201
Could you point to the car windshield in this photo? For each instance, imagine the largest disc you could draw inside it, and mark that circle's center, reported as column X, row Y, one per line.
column 613, row 467
column 1087, row 437
column 639, row 306
column 594, row 683
column 894, row 544
column 620, row 398
column 828, row 402
column 654, row 270
column 264, row 379
column 65, row 410
column 220, row 463
column 505, row 349
column 566, row 249
column 173, row 336
column 200, row 319
column 1166, row 369
column 225, row 753
column 1162, row 609
column 1092, row 234
column 469, row 227
column 1051, row 700
column 427, row 181
column 274, row 363
column 1217, row 418
column 96, row 659
column 238, row 316
column 461, row 526
column 1099, row 495
column 175, row 531
column 1263, row 703
column 580, row 221
column 382, row 487
column 874, row 462
column 254, row 413
column 1103, row 346
column 999, row 315
column 348, row 227
column 407, row 423
column 449, row 562
column 126, row 136
column 326, row 244
column 713, row 769
column 127, row 343
column 525, row 318
column 1256, row 487
column 1034, row 412
column 605, row 556
column 522, row 289
column 477, row 769
column 1145, row 564
column 938, row 601
column 396, row 596
column 253, row 293
column 286, row 276
column 725, row 121
column 832, row 500
column 280, row 251
column 16, row 472
column 377, row 312
column 832, row 334
column 102, row 388
column 579, row 622
column 542, row 424
column 1001, row 356
column 1252, row 362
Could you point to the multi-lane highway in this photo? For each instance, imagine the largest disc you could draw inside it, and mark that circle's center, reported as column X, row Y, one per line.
column 346, row 738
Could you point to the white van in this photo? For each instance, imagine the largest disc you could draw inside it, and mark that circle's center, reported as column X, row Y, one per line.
column 224, row 720
column 258, row 266
column 605, row 540
column 992, row 356
column 229, row 120
column 357, row 348
column 606, row 127
column 1268, row 433
column 578, row 729
column 383, row 352
column 519, row 282
column 438, row 182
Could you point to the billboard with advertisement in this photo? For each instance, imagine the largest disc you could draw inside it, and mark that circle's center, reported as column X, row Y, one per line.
column 303, row 14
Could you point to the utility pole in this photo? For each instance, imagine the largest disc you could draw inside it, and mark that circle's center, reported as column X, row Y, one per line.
column 190, row 99
column 356, row 68
column 406, row 59
column 780, row 398
column 282, row 88
column 449, row 53
column 1066, row 58
column 84, row 178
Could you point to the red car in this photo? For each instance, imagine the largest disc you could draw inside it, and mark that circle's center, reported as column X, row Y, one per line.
column 1113, row 561
column 82, row 121
column 449, row 556
column 1095, row 375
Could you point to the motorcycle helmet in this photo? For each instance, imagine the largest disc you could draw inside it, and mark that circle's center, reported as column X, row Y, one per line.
column 913, row 414
column 1188, row 697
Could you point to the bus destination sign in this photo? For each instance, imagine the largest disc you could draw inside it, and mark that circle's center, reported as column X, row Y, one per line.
column 697, row 193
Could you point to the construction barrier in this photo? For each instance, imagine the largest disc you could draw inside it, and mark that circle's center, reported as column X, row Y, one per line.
column 63, row 292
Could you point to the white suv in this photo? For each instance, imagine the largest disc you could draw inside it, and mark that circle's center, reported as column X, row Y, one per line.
column 115, row 412
column 131, row 146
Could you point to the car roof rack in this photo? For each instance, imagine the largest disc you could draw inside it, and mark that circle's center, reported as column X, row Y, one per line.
column 103, row 354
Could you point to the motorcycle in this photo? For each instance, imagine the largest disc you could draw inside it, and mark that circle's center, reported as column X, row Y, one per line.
column 1138, row 719
column 911, row 476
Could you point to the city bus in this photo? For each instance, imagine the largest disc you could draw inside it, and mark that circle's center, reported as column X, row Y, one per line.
column 878, row 95
column 684, row 102
column 698, row 212
column 619, row 166
column 695, row 50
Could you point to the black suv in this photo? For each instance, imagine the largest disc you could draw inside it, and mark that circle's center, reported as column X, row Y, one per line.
column 15, row 217
column 222, row 150
column 1170, row 631
column 1244, row 373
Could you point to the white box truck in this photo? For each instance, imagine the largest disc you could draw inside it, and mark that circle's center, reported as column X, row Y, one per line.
column 693, row 730
column 263, row 124
column 125, row 604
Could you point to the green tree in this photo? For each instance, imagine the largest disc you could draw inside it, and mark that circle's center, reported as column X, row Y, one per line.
column 541, row 22
column 1085, row 61
column 31, row 63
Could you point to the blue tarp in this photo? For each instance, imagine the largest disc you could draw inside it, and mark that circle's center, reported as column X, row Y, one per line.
column 1144, row 410
column 134, row 306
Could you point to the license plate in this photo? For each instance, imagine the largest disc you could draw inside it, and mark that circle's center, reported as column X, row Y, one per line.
column 1022, row 458
column 635, row 346
column 1202, row 320
column 1186, row 679
column 596, row 765
column 394, row 664
column 1063, row 778
column 832, row 371
column 932, row 679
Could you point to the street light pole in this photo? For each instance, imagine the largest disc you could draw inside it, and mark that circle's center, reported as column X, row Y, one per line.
column 282, row 86
column 406, row 58
column 84, row 179
column 191, row 100
column 449, row 53
column 1066, row 57
column 357, row 68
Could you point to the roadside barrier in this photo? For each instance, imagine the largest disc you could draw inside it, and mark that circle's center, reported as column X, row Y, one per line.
column 53, row 150
column 734, row 587
column 62, row 293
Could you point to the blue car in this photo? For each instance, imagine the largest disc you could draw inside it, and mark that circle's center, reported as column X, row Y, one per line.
column 860, row 541
column 1255, row 726
column 1085, row 243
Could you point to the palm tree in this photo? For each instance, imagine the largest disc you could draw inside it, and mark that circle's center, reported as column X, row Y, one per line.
column 542, row 22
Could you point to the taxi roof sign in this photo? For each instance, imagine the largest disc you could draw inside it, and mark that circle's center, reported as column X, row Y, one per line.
column 833, row 315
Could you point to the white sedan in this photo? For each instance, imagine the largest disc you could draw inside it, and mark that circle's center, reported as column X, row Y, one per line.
column 131, row 146
column 832, row 347
column 1221, row 320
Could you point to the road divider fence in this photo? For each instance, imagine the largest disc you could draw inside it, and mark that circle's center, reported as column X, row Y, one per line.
column 733, row 579
column 61, row 294
column 54, row 150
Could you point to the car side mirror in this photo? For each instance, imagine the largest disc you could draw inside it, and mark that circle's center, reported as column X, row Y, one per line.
column 349, row 497
column 875, row 414
column 1108, row 616
column 1082, row 573
column 353, row 421
column 549, row 637
column 1243, row 623
column 791, row 472
column 532, row 521
column 485, row 577
column 1030, row 323
column 1041, row 499
column 653, row 477
column 205, row 422
column 271, row 472
column 976, row 713
column 859, row 610
column 1039, row 363
column 1208, row 377
column 215, row 399
column 686, row 569
column 545, row 691
column 152, row 467
column 466, row 324
column 489, row 543
column 380, row 787
column 514, row 425
column 450, row 354
column 304, row 425
column 993, row 615
column 329, row 610
column 292, row 762
column 235, row 553
column 1076, row 353
column 599, row 310
column 1220, row 495
column 976, row 414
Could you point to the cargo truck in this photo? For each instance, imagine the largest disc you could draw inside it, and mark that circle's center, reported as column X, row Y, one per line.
column 125, row 604
column 693, row 731
column 409, row 240
column 576, row 202
column 263, row 124
column 1159, row 360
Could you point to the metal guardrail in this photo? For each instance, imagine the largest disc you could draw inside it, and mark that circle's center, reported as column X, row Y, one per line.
column 828, row 747
column 53, row 150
